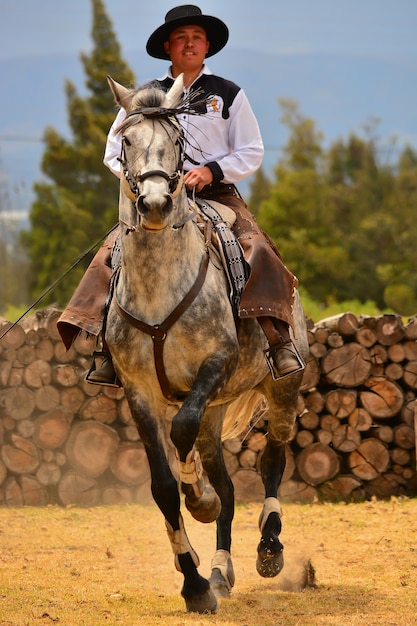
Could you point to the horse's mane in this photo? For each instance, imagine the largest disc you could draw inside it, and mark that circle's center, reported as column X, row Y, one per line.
column 148, row 95
column 147, row 101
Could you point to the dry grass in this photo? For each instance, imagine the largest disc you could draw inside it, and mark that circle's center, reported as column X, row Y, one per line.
column 114, row 566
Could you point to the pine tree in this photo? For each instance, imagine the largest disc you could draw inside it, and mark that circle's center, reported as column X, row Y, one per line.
column 260, row 189
column 79, row 205
column 344, row 221
column 399, row 269
column 298, row 215
column 360, row 196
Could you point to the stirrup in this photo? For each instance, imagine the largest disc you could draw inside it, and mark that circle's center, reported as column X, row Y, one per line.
column 115, row 383
column 272, row 368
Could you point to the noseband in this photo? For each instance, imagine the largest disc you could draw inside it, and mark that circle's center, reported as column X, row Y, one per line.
column 133, row 181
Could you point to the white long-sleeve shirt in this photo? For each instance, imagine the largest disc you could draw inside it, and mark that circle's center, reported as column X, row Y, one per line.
column 227, row 136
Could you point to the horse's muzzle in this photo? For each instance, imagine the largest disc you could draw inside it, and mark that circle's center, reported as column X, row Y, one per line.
column 154, row 210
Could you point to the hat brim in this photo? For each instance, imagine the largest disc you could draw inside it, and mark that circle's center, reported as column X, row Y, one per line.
column 216, row 30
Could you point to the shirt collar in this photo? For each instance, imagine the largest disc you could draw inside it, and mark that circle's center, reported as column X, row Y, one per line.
column 168, row 73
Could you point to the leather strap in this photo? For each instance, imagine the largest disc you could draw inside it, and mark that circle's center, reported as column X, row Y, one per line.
column 231, row 252
column 159, row 332
column 277, row 334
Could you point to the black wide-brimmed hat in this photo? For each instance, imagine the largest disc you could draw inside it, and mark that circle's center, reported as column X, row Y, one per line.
column 216, row 30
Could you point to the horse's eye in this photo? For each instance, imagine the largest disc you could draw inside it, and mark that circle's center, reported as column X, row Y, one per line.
column 126, row 141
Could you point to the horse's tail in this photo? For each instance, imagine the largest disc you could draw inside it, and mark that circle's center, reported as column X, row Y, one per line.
column 242, row 413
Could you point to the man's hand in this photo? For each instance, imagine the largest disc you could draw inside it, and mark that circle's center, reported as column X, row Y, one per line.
column 198, row 178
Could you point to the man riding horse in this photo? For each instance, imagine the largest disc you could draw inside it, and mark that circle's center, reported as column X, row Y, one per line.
column 223, row 146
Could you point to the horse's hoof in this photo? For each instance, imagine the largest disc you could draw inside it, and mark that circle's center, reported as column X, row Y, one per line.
column 218, row 584
column 206, row 508
column 269, row 564
column 222, row 577
column 202, row 603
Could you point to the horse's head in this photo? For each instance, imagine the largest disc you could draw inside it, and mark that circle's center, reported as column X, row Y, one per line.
column 152, row 152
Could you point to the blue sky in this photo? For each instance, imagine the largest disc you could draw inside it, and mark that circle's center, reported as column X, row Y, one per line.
column 371, row 28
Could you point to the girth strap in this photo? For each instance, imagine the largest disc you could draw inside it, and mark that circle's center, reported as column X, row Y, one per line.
column 159, row 332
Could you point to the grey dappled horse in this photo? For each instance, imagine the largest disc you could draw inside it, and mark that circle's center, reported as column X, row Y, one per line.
column 173, row 338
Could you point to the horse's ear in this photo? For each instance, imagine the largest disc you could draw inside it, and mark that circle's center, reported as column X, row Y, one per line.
column 174, row 95
column 122, row 95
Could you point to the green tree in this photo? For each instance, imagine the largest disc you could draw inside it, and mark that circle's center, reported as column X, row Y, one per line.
column 78, row 203
column 399, row 270
column 299, row 215
column 260, row 189
column 343, row 221
column 360, row 189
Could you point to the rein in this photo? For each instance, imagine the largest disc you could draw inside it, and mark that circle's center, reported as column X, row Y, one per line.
column 159, row 332
column 58, row 280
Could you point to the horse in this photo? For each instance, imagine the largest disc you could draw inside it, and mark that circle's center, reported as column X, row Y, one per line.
column 175, row 342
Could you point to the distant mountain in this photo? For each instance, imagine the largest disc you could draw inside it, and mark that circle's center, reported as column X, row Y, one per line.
column 340, row 93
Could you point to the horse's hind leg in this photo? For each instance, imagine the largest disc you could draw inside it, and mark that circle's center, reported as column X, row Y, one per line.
column 222, row 577
column 270, row 559
column 282, row 410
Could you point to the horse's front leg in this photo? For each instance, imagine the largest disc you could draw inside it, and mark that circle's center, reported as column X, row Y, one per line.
column 196, row 590
column 200, row 498
column 209, row 444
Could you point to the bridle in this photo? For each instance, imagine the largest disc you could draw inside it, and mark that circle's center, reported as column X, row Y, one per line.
column 174, row 179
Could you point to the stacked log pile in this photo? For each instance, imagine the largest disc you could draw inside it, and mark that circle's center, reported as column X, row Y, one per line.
column 355, row 436
column 65, row 441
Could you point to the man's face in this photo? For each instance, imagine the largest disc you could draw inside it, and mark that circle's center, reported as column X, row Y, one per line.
column 187, row 47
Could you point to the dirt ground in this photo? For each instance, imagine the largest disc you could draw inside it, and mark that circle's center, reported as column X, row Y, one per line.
column 113, row 565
